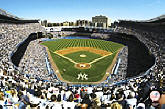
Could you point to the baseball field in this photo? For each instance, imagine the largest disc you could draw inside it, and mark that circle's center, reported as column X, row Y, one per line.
column 82, row 60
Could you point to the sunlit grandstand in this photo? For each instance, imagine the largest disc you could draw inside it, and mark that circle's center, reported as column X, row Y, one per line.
column 88, row 68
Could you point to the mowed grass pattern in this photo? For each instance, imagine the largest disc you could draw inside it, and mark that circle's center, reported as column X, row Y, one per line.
column 95, row 43
column 89, row 56
column 67, row 69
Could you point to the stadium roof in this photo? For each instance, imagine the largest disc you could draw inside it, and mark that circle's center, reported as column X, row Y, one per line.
column 5, row 13
column 7, row 17
column 162, row 17
column 159, row 19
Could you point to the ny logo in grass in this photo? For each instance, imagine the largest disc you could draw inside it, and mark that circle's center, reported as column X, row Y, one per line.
column 82, row 76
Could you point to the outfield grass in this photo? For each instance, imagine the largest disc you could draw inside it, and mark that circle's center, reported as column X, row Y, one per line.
column 68, row 70
column 99, row 44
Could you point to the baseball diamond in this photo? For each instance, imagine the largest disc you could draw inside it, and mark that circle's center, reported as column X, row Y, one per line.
column 92, row 57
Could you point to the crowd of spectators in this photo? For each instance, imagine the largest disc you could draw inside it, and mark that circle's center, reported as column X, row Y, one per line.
column 24, row 91
column 155, row 43
column 20, row 90
column 122, row 68
column 119, row 70
column 10, row 36
column 33, row 61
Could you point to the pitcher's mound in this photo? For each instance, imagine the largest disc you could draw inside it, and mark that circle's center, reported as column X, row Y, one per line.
column 82, row 66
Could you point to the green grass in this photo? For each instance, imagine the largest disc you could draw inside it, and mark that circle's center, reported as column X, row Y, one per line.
column 76, row 56
column 67, row 69
column 95, row 73
column 99, row 44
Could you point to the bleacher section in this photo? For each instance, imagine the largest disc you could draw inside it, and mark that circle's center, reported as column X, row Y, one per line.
column 27, row 88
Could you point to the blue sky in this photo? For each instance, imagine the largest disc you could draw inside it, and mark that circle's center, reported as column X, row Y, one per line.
column 71, row 10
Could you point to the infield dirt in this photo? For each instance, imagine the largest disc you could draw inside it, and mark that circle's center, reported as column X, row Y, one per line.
column 75, row 49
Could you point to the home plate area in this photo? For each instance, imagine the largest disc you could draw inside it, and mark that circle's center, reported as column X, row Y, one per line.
column 82, row 66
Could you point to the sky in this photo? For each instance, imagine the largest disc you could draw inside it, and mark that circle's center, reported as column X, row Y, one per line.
column 72, row 10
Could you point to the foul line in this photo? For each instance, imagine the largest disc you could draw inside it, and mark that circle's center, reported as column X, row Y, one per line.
column 65, row 57
column 95, row 60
